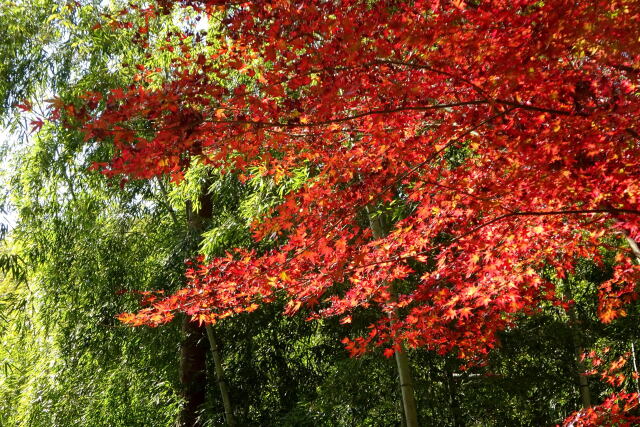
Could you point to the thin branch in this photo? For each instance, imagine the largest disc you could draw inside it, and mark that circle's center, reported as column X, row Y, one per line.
column 258, row 123
column 165, row 201
column 333, row 227
column 498, row 219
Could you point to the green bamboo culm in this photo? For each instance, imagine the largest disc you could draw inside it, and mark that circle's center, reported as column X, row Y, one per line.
column 402, row 360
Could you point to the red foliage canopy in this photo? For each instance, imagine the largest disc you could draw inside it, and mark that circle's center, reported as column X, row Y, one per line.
column 507, row 127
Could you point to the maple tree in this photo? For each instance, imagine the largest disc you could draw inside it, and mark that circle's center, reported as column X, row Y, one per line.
column 506, row 131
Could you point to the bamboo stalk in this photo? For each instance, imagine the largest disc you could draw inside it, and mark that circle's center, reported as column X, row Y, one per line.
column 224, row 390
column 583, row 381
column 634, row 246
column 402, row 360
column 197, row 224
column 406, row 386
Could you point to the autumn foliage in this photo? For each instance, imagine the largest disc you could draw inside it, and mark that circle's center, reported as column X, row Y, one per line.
column 620, row 408
column 506, row 130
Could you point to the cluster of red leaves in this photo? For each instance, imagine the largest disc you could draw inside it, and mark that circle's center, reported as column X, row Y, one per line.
column 610, row 370
column 376, row 98
column 619, row 408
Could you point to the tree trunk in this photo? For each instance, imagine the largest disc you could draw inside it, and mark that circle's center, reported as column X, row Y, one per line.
column 583, row 381
column 224, row 391
column 636, row 251
column 406, row 386
column 402, row 361
column 635, row 368
column 634, row 246
column 193, row 372
column 193, row 350
column 197, row 222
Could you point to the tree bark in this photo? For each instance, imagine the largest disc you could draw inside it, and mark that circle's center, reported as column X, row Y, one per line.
column 193, row 373
column 583, row 381
column 406, row 386
column 635, row 368
column 193, row 350
column 402, row 360
column 636, row 251
column 197, row 222
column 634, row 246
